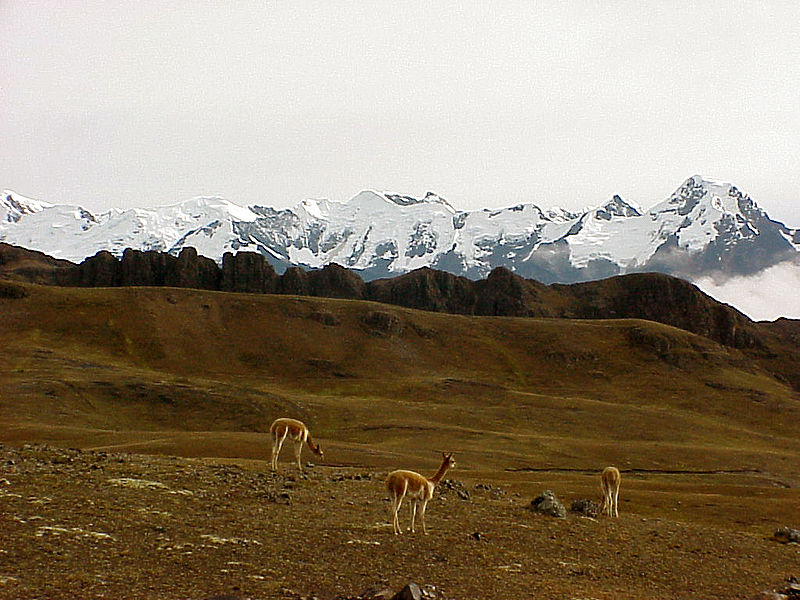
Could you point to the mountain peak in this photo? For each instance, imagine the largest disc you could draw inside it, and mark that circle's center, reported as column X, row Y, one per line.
column 617, row 207
column 372, row 198
column 699, row 193
column 429, row 198
column 705, row 226
column 14, row 205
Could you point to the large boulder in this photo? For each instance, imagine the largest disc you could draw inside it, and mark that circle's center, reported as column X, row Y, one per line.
column 548, row 504
column 785, row 535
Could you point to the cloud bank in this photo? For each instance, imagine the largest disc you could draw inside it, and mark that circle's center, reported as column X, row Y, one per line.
column 768, row 295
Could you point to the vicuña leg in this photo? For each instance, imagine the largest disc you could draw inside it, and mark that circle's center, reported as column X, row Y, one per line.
column 277, row 444
column 396, row 517
column 396, row 502
column 298, row 451
column 616, row 502
column 422, row 516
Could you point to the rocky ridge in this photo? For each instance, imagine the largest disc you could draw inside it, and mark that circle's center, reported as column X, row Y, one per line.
column 651, row 296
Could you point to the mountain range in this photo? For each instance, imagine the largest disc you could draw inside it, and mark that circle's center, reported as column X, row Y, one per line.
column 705, row 228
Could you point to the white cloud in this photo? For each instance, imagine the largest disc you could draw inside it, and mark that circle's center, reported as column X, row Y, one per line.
column 487, row 103
column 772, row 293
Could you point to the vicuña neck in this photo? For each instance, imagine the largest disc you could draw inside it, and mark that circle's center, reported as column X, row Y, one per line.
column 440, row 473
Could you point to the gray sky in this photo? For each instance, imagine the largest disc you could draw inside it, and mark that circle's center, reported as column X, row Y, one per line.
column 486, row 103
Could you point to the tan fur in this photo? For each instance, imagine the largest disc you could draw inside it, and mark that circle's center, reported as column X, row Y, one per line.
column 609, row 484
column 297, row 432
column 418, row 489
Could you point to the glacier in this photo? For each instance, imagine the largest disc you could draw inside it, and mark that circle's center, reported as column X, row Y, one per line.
column 705, row 228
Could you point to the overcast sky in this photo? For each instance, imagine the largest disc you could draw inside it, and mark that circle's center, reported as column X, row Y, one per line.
column 487, row 103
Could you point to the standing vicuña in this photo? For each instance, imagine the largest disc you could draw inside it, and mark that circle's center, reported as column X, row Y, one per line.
column 609, row 483
column 418, row 489
column 296, row 431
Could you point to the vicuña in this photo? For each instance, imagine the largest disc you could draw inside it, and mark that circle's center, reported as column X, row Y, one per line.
column 419, row 490
column 297, row 432
column 609, row 483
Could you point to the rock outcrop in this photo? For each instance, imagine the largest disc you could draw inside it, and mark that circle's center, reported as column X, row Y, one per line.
column 247, row 272
column 661, row 298
column 548, row 504
column 650, row 296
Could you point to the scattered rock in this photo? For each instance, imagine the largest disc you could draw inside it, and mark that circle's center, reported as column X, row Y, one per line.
column 492, row 489
column 785, row 535
column 352, row 477
column 410, row 592
column 790, row 591
column 381, row 592
column 589, row 508
column 377, row 592
column 548, row 504
column 278, row 497
column 378, row 322
column 453, row 485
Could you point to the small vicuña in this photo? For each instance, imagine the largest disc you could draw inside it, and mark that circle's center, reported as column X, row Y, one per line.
column 609, row 483
column 419, row 490
column 297, row 432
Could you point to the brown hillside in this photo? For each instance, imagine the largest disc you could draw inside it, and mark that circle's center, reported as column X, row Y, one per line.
column 651, row 296
column 526, row 404
column 107, row 354
column 30, row 265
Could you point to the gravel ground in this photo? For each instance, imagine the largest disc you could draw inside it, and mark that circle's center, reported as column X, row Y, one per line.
column 100, row 525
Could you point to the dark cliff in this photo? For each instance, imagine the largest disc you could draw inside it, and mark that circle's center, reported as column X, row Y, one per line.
column 651, row 296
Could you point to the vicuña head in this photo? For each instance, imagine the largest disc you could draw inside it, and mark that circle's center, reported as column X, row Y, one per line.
column 317, row 449
column 298, row 433
column 419, row 489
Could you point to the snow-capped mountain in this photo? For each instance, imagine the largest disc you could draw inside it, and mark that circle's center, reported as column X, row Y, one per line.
column 704, row 227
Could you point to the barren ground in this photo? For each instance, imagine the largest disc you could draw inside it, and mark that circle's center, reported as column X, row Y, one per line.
column 108, row 525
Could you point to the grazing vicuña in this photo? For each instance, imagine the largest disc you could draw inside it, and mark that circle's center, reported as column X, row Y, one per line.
column 297, row 432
